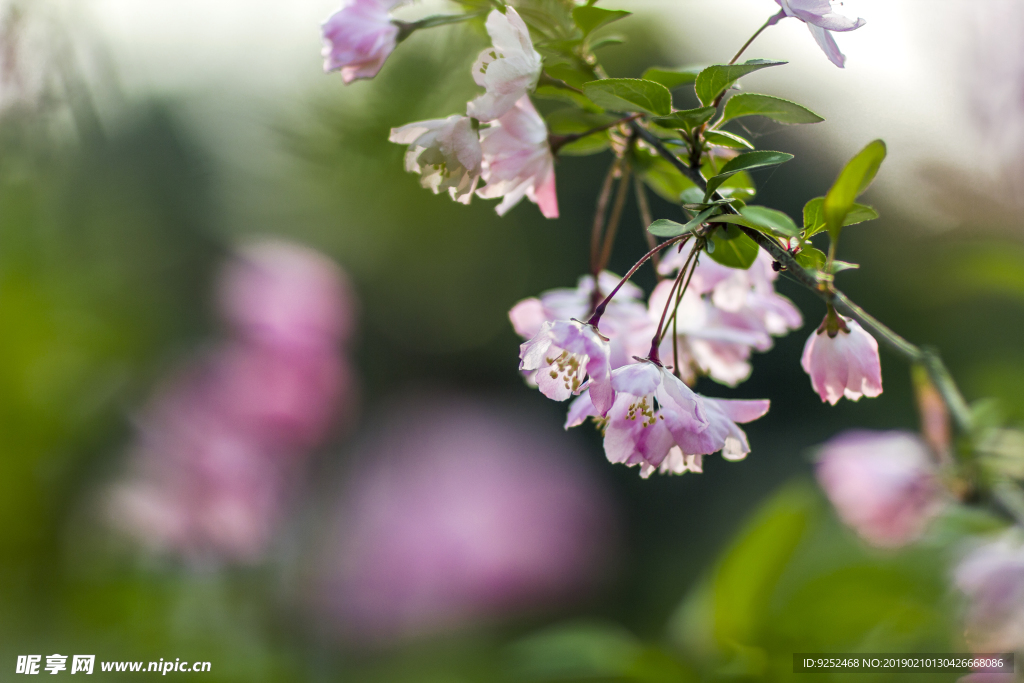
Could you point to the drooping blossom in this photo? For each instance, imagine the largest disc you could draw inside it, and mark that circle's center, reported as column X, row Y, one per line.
column 883, row 484
column 517, row 160
column 359, row 37
column 992, row 578
column 843, row 362
column 654, row 412
column 460, row 516
column 625, row 321
column 821, row 20
column 724, row 315
column 565, row 353
column 445, row 153
column 508, row 70
column 219, row 446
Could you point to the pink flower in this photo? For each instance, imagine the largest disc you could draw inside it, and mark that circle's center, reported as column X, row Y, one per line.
column 517, row 160
column 821, row 20
column 359, row 37
column 883, row 484
column 625, row 322
column 460, row 516
column 563, row 353
column 724, row 315
column 992, row 578
column 508, row 71
column 445, row 152
column 676, row 462
column 843, row 364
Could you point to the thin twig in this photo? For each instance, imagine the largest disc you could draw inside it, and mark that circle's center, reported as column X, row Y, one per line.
column 645, row 222
column 616, row 216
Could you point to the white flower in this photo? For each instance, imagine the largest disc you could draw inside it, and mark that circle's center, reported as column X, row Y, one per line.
column 445, row 152
column 508, row 71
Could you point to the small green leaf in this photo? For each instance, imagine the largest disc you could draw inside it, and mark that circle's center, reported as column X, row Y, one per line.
column 736, row 220
column 666, row 228
column 775, row 221
column 589, row 19
column 839, row 266
column 661, row 176
column 852, row 181
column 673, row 78
column 712, row 81
column 554, row 92
column 814, row 216
column 587, row 145
column 686, row 119
column 745, row 162
column 738, row 186
column 693, row 195
column 700, row 218
column 733, row 248
column 571, row 73
column 630, row 94
column 605, row 41
column 724, row 138
column 811, row 258
column 775, row 108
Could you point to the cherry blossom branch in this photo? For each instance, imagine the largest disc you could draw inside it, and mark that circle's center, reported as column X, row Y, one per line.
column 929, row 358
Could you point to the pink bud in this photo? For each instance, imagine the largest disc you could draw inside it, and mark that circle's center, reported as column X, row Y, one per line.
column 844, row 365
column 358, row 38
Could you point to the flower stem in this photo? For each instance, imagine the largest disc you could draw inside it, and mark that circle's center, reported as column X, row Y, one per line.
column 599, row 311
column 774, row 19
column 406, row 28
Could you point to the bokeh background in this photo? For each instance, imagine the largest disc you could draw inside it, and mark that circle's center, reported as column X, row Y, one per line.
column 438, row 524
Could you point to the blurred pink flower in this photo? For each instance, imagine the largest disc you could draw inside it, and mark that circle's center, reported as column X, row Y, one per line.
column 992, row 578
column 843, row 364
column 517, row 160
column 883, row 484
column 219, row 444
column 625, row 322
column 359, row 37
column 821, row 20
column 563, row 353
column 509, row 70
column 461, row 515
column 445, row 152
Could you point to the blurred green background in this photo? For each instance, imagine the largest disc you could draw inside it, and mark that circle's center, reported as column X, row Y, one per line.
column 112, row 226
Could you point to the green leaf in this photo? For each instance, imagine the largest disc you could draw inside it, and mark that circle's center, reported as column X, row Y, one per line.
column 700, row 218
column 852, row 181
column 744, row 162
column 724, row 138
column 775, row 108
column 630, row 94
column 553, row 92
column 605, row 41
column 776, row 221
column 738, row 186
column 735, row 219
column 585, row 146
column 672, row 78
column 732, row 247
column 571, row 73
column 811, row 258
column 712, row 81
column 666, row 228
column 661, row 176
column 686, row 119
column 814, row 216
column 582, row 650
column 589, row 19
column 839, row 266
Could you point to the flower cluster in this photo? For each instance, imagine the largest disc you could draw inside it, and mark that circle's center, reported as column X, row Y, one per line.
column 219, row 445
column 501, row 141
